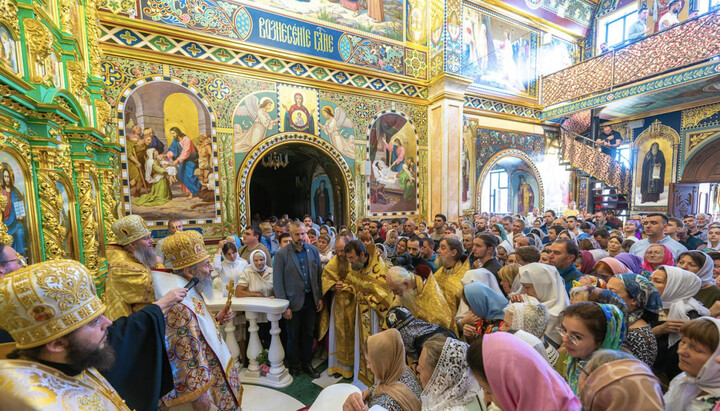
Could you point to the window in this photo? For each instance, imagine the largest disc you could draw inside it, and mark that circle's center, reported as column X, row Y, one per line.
column 616, row 30
column 499, row 191
column 623, row 154
column 704, row 6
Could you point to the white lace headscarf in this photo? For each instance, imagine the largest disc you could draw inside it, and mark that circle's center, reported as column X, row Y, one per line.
column 680, row 287
column 451, row 387
column 531, row 317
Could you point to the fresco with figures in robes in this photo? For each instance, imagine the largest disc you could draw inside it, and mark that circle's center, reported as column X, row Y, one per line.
column 393, row 151
column 524, row 191
column 379, row 17
column 254, row 119
column 169, row 153
column 322, row 197
column 498, row 54
column 8, row 50
column 14, row 215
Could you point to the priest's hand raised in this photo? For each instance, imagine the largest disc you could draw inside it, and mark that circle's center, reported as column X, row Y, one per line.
column 171, row 298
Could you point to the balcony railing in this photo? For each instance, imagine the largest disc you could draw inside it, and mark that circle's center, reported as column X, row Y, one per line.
column 690, row 43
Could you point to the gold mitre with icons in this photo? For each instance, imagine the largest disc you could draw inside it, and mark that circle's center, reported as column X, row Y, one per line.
column 130, row 229
column 185, row 248
column 45, row 301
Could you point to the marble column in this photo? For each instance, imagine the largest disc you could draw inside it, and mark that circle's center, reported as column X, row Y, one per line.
column 445, row 119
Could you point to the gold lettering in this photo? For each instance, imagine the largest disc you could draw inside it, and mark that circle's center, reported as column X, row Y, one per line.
column 324, row 42
column 288, row 33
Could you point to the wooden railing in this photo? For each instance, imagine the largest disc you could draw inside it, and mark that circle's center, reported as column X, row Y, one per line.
column 690, row 43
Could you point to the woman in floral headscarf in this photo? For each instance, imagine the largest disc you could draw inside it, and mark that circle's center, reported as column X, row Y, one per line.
column 588, row 327
column 644, row 305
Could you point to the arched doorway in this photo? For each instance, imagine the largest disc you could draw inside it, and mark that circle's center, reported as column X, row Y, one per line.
column 698, row 190
column 510, row 183
column 316, row 180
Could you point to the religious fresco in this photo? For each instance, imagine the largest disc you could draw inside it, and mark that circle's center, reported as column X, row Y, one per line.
column 524, row 191
column 169, row 153
column 392, row 155
column 9, row 56
column 298, row 108
column 339, row 121
column 337, row 127
column 655, row 153
column 254, row 119
column 314, row 27
column 14, row 213
column 468, row 166
column 557, row 54
column 417, row 21
column 379, row 17
column 498, row 54
column 321, row 202
column 67, row 217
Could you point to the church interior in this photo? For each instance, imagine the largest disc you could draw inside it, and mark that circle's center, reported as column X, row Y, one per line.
column 228, row 115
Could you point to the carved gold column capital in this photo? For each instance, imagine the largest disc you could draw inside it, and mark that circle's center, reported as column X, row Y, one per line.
column 40, row 47
column 92, row 27
column 108, row 180
column 87, row 193
column 9, row 16
column 78, row 78
column 51, row 203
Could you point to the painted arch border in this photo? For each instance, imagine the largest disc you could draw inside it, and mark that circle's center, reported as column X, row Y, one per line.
column 126, row 92
column 254, row 157
column 511, row 152
column 417, row 166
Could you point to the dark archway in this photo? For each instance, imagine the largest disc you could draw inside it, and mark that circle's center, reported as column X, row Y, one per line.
column 703, row 166
column 290, row 190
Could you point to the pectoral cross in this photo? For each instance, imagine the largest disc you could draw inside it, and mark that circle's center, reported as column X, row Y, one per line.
column 231, row 292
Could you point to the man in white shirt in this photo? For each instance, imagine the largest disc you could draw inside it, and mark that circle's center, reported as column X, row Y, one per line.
column 670, row 18
column 654, row 227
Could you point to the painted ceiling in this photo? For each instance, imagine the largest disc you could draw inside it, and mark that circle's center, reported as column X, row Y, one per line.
column 695, row 93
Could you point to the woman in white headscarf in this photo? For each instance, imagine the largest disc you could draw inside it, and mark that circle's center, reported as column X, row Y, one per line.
column 445, row 376
column 698, row 386
column 257, row 281
column 676, row 288
column 504, row 250
column 702, row 265
column 543, row 282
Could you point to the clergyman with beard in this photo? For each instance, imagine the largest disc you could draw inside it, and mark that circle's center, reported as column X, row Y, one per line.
column 422, row 297
column 61, row 336
column 189, row 323
column 129, row 285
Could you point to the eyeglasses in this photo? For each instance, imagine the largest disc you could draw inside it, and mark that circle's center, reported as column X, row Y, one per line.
column 582, row 370
column 20, row 259
column 563, row 333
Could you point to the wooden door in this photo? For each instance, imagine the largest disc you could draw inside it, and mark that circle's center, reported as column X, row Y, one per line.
column 683, row 199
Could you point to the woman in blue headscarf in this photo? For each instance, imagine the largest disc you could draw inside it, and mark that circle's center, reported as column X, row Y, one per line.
column 489, row 308
column 499, row 231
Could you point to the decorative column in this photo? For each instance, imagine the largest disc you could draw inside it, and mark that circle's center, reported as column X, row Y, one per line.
column 88, row 208
column 51, row 203
column 109, row 202
column 445, row 115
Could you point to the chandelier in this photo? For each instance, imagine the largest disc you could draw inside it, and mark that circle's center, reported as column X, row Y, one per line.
column 275, row 160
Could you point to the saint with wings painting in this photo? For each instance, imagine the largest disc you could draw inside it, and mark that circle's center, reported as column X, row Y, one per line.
column 248, row 133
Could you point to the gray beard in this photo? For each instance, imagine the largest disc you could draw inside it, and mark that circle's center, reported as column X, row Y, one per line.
column 409, row 300
column 146, row 256
column 205, row 288
column 439, row 262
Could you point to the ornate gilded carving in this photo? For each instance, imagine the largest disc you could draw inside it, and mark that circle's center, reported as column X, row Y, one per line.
column 692, row 117
column 109, row 202
column 88, row 213
column 20, row 145
column 51, row 204
column 6, row 91
column 9, row 17
column 698, row 138
column 40, row 47
column 92, row 27
column 66, row 20
column 5, row 238
column 102, row 112
column 78, row 79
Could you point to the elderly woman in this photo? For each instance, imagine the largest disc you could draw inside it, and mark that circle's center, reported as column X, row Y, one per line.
column 256, row 280
column 698, row 386
column 585, row 262
column 701, row 265
column 608, row 267
column 643, row 306
column 655, row 256
column 395, row 388
column 587, row 327
column 444, row 375
column 489, row 308
column 531, row 317
column 614, row 380
column 676, row 288
column 503, row 252
column 515, row 377
column 543, row 282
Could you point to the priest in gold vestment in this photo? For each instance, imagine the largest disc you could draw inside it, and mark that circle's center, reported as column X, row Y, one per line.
column 422, row 297
column 51, row 310
column 451, row 270
column 129, row 285
column 341, row 325
column 373, row 298
column 202, row 366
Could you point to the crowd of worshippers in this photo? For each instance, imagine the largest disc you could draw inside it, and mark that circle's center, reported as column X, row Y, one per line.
column 491, row 312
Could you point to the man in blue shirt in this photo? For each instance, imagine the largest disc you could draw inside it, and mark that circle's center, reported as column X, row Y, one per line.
column 562, row 255
column 654, row 227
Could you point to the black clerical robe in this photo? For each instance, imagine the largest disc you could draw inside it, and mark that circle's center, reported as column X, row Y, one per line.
column 142, row 373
